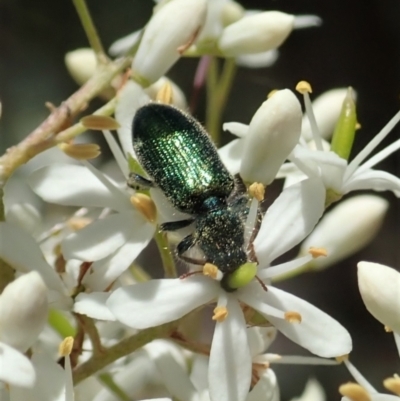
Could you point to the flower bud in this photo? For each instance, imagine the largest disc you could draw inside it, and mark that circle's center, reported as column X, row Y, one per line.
column 178, row 97
column 168, row 33
column 81, row 64
column 379, row 286
column 273, row 133
column 256, row 33
column 346, row 229
column 23, row 311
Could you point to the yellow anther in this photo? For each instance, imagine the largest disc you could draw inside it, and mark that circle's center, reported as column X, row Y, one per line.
column 272, row 93
column 164, row 95
column 77, row 223
column 393, row 384
column 220, row 314
column 354, row 391
column 342, row 358
column 388, row 329
column 293, row 317
column 303, row 87
column 65, row 347
column 145, row 205
column 317, row 252
column 99, row 123
column 210, row 270
column 358, row 126
column 257, row 190
column 80, row 151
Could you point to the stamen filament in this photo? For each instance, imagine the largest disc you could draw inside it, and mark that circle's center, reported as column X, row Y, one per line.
column 117, row 153
column 250, row 222
column 359, row 378
column 383, row 154
column 352, row 167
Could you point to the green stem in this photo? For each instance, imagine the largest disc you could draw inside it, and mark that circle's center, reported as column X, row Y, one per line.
column 211, row 114
column 217, row 94
column 90, row 30
column 109, row 382
column 165, row 253
column 123, row 348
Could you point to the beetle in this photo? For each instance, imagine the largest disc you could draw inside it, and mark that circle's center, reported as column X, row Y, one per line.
column 179, row 157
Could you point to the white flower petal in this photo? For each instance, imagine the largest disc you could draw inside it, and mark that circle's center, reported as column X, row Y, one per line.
column 93, row 305
column 230, row 362
column 258, row 60
column 26, row 216
column 317, row 332
column 130, row 98
column 325, row 164
column 107, row 270
column 238, row 129
column 160, row 301
column 174, row 377
column 346, row 229
column 15, row 368
column 165, row 210
column 290, row 219
column 231, row 155
column 19, row 250
column 273, row 133
column 103, row 237
column 380, row 290
column 266, row 389
column 372, row 179
column 23, row 311
column 71, row 185
column 306, row 21
column 50, row 381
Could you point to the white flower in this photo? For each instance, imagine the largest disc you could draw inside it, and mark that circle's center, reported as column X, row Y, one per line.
column 256, row 33
column 23, row 314
column 113, row 242
column 290, row 218
column 272, row 134
column 165, row 37
column 379, row 286
column 339, row 176
column 346, row 229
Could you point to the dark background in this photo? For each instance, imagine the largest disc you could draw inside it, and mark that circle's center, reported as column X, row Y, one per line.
column 358, row 45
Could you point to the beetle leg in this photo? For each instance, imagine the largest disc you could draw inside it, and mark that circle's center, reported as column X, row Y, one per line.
column 176, row 225
column 136, row 181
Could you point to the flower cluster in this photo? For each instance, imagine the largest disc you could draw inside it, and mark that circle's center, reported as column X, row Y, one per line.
column 82, row 318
